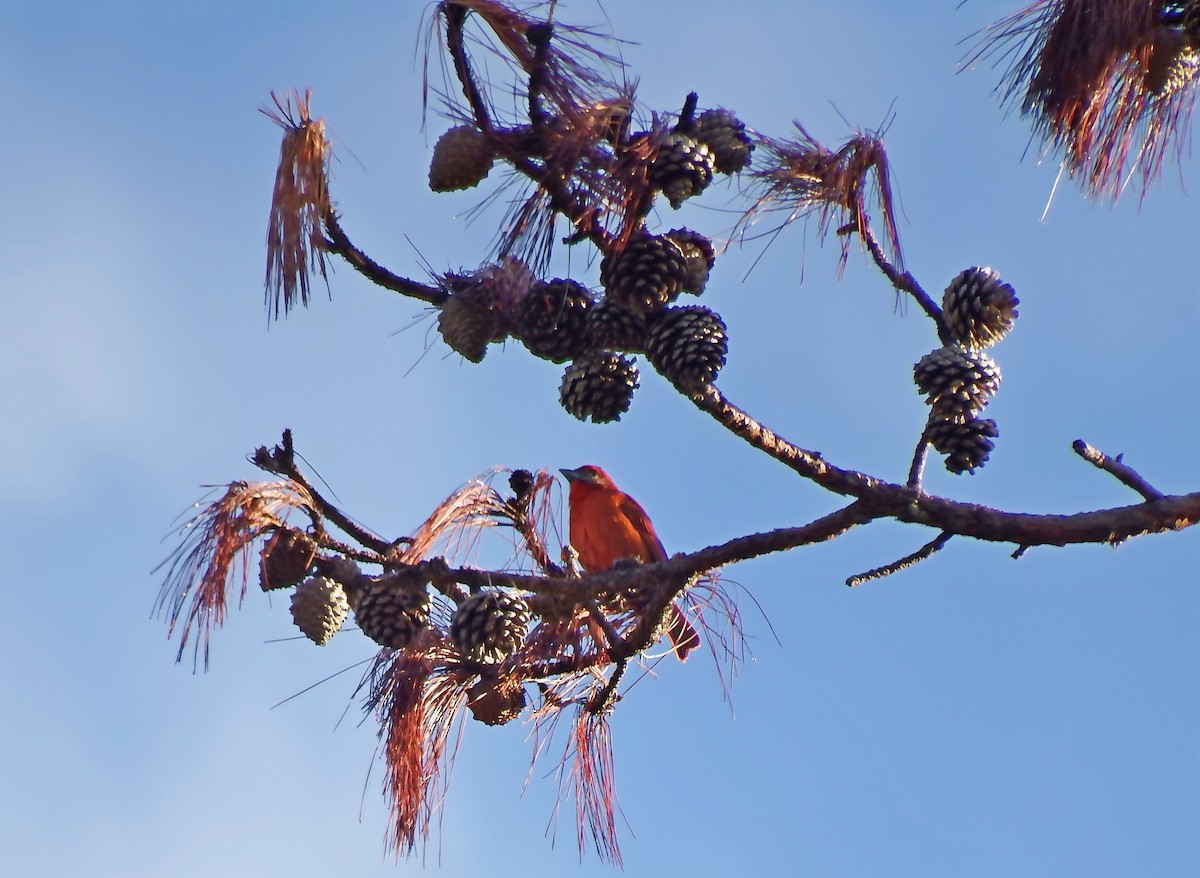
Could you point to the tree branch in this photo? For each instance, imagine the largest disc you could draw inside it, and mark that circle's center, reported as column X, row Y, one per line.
column 920, row 456
column 808, row 464
column 902, row 503
column 926, row 551
column 606, row 584
column 455, row 16
column 1167, row 513
column 339, row 243
column 605, row 698
column 1126, row 475
column 282, row 461
column 902, row 281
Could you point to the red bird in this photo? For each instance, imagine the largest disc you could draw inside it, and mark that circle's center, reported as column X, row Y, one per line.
column 607, row 525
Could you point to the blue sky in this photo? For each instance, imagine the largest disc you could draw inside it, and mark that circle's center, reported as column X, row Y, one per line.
column 975, row 715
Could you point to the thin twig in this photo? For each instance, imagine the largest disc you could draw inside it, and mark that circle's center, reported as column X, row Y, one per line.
column 687, row 116
column 554, row 182
column 920, row 455
column 456, row 16
column 902, row 280
column 539, row 37
column 808, row 464
column 1123, row 473
column 916, row 557
column 283, row 462
column 603, row 699
column 340, row 244
column 325, row 541
column 517, row 510
column 616, row 643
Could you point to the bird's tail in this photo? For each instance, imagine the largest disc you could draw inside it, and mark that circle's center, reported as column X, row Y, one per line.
column 682, row 634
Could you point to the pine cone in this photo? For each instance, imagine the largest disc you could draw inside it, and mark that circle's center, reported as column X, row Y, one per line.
column 490, row 625
column 599, row 385
column 467, row 325
column 462, row 157
column 553, row 320
column 957, row 382
column 482, row 305
column 344, row 571
column 319, row 607
column 496, row 701
column 1191, row 23
column 392, row 609
column 725, row 136
column 1181, row 73
column 646, row 275
column 615, row 328
column 1173, row 58
column 979, row 308
column 682, row 167
column 687, row 345
column 286, row 559
column 966, row 444
column 700, row 255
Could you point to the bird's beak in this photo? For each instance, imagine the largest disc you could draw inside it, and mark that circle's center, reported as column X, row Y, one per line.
column 572, row 475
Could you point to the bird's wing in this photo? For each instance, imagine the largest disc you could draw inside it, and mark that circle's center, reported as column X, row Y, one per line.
column 640, row 522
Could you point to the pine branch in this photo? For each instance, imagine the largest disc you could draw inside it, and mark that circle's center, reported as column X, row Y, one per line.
column 902, row 280
column 338, row 242
column 926, row 551
column 1126, row 475
column 282, row 461
column 1167, row 513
